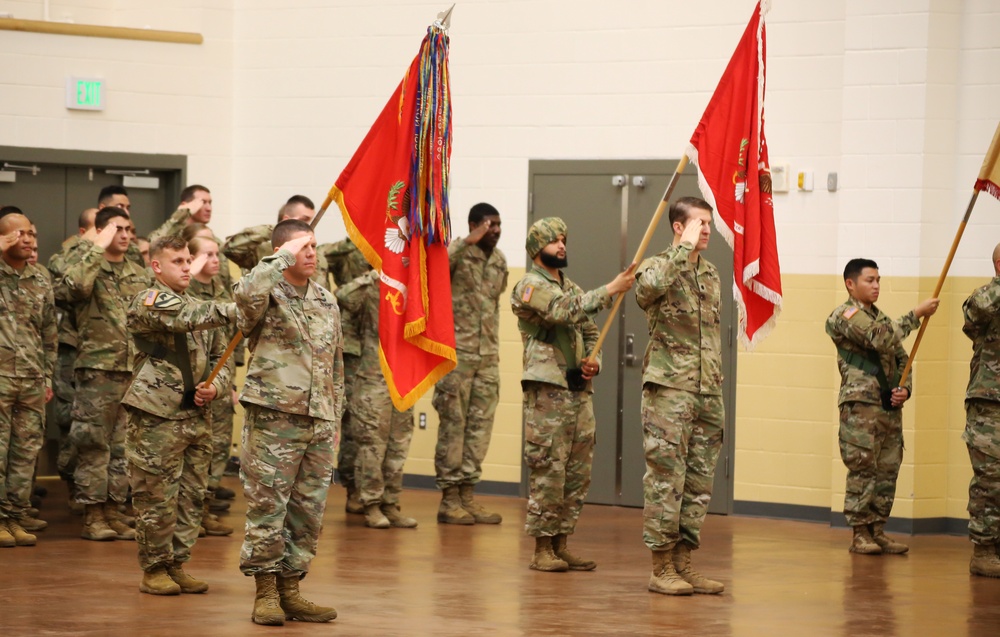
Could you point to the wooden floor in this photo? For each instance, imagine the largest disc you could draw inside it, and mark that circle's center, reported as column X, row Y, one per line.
column 782, row 578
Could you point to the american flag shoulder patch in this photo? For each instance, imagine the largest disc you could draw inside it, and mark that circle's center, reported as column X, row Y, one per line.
column 849, row 312
column 150, row 298
column 526, row 295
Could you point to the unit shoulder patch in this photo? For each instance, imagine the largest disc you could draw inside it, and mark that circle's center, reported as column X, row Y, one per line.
column 849, row 312
column 166, row 301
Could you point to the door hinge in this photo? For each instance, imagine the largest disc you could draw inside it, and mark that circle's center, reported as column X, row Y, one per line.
column 531, row 203
column 727, row 466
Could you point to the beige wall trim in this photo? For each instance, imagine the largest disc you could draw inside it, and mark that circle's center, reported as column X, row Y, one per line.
column 95, row 31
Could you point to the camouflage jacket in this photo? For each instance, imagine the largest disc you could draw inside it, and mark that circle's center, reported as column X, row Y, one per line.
column 175, row 225
column 856, row 329
column 247, row 247
column 28, row 332
column 541, row 304
column 101, row 292
column 296, row 346
column 218, row 291
column 65, row 313
column 359, row 299
column 982, row 325
column 346, row 263
column 681, row 300
column 477, row 281
column 156, row 315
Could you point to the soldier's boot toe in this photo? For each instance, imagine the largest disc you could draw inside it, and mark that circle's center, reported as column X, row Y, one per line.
column 266, row 604
column 664, row 579
column 544, row 559
column 32, row 523
column 862, row 542
column 211, row 524
column 479, row 513
column 576, row 563
column 396, row 518
column 886, row 543
column 7, row 540
column 222, row 493
column 450, row 511
column 682, row 564
column 117, row 522
column 985, row 561
column 95, row 527
column 187, row 583
column 353, row 503
column 156, row 581
column 374, row 518
column 21, row 537
column 299, row 608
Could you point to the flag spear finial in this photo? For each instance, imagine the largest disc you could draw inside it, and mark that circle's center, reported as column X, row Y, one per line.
column 444, row 19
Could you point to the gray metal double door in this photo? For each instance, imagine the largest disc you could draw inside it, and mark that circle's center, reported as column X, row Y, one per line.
column 607, row 205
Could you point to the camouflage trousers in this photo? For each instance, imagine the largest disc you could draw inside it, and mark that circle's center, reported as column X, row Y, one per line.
column 383, row 436
column 61, row 408
column 682, row 437
column 348, row 452
column 871, row 446
column 168, row 464
column 286, row 467
column 222, row 437
column 982, row 437
column 22, row 430
column 559, row 437
column 466, row 401
column 98, row 433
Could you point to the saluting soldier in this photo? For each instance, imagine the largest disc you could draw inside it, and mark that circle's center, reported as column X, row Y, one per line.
column 293, row 400
column 555, row 318
column 28, row 345
column 870, row 357
column 169, row 439
column 982, row 423
column 466, row 399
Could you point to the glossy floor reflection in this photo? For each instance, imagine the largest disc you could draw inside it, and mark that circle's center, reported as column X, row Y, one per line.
column 782, row 578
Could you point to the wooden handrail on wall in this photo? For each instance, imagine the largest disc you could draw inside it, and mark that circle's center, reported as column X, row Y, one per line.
column 95, row 31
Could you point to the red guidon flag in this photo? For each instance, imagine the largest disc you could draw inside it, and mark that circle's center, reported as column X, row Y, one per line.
column 394, row 198
column 729, row 148
column 989, row 174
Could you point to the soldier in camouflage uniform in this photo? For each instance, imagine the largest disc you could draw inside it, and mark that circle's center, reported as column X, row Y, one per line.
column 293, row 400
column 381, row 433
column 169, row 439
column 100, row 283
column 466, row 399
column 982, row 424
column 870, row 357
column 346, row 263
column 208, row 285
column 682, row 409
column 555, row 318
column 28, row 345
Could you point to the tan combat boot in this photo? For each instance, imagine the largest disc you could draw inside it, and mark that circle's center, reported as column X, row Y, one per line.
column 451, row 511
column 299, row 608
column 353, row 504
column 187, row 583
column 479, row 513
column 700, row 583
column 95, row 527
column 985, row 560
column 396, row 517
column 576, row 563
column 156, row 582
column 31, row 523
column 117, row 522
column 211, row 524
column 863, row 542
column 545, row 559
column 374, row 518
column 664, row 578
column 887, row 544
column 266, row 607
column 21, row 537
column 6, row 539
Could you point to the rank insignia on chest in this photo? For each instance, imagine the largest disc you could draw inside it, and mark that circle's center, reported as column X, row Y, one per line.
column 526, row 295
column 849, row 312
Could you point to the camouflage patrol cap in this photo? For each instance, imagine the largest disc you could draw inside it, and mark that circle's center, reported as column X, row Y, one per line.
column 542, row 233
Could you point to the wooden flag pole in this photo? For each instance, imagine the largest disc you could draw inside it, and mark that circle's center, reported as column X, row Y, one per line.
column 940, row 284
column 238, row 336
column 660, row 209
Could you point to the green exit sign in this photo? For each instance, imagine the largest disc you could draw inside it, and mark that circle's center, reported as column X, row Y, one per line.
column 86, row 94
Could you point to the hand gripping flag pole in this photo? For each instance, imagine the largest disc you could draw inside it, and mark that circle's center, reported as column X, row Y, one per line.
column 988, row 180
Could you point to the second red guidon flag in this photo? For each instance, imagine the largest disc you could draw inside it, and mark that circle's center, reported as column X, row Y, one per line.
column 394, row 198
column 730, row 150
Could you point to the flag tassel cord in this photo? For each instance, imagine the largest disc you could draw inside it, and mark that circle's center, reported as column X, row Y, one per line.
column 940, row 284
column 650, row 230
